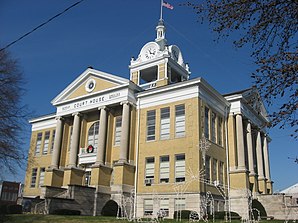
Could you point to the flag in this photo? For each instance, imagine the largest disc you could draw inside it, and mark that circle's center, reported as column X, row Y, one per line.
column 167, row 5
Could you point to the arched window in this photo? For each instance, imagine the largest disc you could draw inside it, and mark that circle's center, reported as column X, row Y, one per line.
column 93, row 135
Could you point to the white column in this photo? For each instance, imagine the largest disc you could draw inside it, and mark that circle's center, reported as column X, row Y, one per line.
column 102, row 135
column 240, row 142
column 266, row 159
column 250, row 149
column 57, row 142
column 75, row 140
column 260, row 157
column 124, row 140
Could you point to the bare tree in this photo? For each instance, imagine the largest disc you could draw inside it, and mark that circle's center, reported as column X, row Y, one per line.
column 270, row 27
column 13, row 116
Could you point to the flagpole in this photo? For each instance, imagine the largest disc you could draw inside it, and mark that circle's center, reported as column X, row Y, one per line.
column 161, row 1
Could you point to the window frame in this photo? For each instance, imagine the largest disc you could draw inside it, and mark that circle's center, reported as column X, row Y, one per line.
column 33, row 178
column 164, row 165
column 206, row 122
column 53, row 141
column 93, row 139
column 151, row 126
column 177, row 165
column 165, row 123
column 118, row 130
column 180, row 121
column 42, row 172
column 46, row 143
column 213, row 126
column 38, row 143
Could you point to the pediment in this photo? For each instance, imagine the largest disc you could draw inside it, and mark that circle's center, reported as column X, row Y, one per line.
column 254, row 100
column 91, row 81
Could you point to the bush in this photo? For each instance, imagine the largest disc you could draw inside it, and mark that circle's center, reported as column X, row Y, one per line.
column 14, row 209
column 66, row 212
column 184, row 214
column 220, row 215
column 110, row 209
column 3, row 209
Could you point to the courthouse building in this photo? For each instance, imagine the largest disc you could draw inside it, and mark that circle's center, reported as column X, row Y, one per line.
column 142, row 137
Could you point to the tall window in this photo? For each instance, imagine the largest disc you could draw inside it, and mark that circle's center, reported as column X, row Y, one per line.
column 41, row 176
column 213, row 132
column 118, row 130
column 179, row 120
column 206, row 123
column 53, row 140
column 148, row 206
column 207, row 166
column 87, row 178
column 219, row 131
column 214, row 170
column 33, row 177
column 164, row 169
column 164, row 207
column 70, row 137
column 93, row 134
column 165, row 123
column 221, row 172
column 151, row 125
column 149, row 171
column 46, row 143
column 180, row 168
column 38, row 143
column 179, row 204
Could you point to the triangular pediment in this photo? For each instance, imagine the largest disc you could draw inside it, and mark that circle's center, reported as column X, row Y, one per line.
column 254, row 100
column 91, row 81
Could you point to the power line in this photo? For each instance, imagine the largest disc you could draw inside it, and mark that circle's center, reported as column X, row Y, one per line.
column 41, row 25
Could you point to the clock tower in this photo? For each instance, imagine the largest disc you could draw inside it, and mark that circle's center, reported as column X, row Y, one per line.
column 158, row 64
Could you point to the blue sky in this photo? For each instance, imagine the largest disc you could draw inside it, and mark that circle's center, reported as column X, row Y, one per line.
column 105, row 34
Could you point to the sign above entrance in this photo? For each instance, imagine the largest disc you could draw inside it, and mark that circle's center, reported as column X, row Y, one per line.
column 92, row 102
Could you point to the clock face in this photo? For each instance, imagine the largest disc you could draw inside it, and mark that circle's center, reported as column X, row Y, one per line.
column 150, row 52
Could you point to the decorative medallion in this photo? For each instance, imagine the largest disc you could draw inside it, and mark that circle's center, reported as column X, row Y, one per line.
column 90, row 85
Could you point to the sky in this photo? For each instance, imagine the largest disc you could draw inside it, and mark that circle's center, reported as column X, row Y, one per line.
column 105, row 34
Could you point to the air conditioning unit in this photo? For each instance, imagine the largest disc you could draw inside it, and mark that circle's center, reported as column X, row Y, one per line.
column 149, row 181
column 152, row 85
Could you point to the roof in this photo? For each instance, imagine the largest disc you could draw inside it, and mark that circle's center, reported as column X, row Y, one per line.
column 291, row 190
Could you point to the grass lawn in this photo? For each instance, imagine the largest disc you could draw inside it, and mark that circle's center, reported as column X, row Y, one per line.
column 31, row 218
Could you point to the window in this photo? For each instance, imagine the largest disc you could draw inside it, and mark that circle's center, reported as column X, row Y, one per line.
column 179, row 120
column 93, row 135
column 164, row 207
column 151, row 125
column 219, row 138
column 46, row 143
column 148, row 206
column 213, row 132
column 214, row 170
column 179, row 204
column 38, row 143
column 53, row 140
column 165, row 123
column 87, row 178
column 206, row 121
column 70, row 137
column 41, row 176
column 180, row 168
column 149, row 171
column 33, row 177
column 118, row 130
column 221, row 172
column 207, row 168
column 164, row 169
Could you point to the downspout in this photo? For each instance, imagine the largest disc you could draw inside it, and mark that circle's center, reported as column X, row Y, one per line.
column 228, row 162
column 137, row 159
